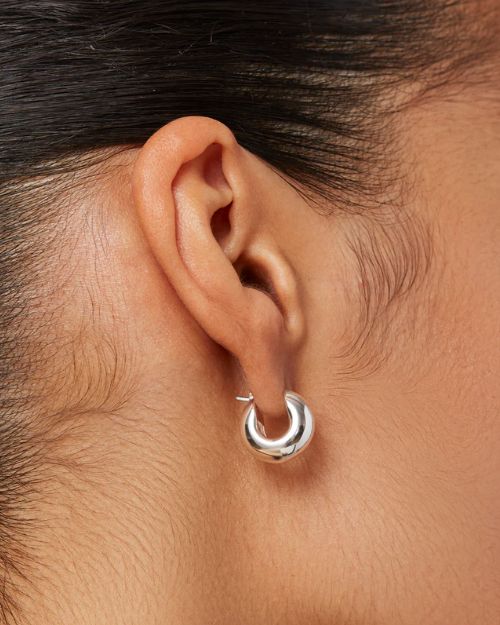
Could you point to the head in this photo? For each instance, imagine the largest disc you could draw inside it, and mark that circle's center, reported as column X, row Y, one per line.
column 198, row 201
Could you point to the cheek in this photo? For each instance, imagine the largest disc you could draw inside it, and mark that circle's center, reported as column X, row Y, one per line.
column 461, row 364
column 405, row 507
column 424, row 454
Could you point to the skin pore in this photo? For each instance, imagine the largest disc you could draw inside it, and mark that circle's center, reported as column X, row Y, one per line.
column 150, row 510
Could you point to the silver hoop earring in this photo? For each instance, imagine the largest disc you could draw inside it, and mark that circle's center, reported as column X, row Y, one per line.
column 292, row 443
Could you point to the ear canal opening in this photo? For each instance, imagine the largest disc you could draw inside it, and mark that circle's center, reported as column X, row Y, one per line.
column 221, row 224
column 251, row 277
column 254, row 277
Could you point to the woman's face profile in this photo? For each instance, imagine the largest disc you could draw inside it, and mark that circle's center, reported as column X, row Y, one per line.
column 203, row 202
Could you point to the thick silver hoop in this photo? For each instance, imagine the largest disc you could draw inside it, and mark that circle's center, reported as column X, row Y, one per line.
column 293, row 442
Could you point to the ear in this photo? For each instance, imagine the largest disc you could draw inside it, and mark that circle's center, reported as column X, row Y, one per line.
column 197, row 195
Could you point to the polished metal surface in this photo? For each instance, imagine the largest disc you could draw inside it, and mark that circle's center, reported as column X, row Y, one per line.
column 287, row 446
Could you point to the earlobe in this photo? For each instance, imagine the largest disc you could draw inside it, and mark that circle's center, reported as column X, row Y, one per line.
column 192, row 186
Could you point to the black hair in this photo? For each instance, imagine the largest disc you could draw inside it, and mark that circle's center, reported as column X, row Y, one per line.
column 304, row 84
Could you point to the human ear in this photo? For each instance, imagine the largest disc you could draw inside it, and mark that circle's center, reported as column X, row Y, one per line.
column 199, row 200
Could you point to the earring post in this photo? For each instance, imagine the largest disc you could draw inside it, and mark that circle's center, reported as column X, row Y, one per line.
column 243, row 398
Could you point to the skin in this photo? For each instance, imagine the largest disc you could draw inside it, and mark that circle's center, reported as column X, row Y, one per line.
column 391, row 516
